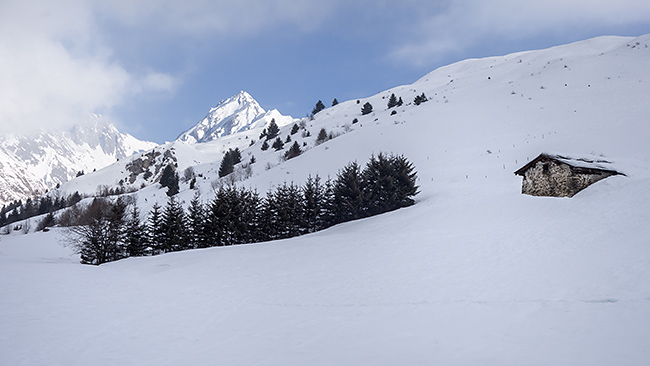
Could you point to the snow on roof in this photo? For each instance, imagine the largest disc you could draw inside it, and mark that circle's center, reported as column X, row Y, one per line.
column 594, row 163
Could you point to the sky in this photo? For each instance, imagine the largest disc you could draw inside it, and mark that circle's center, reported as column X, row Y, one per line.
column 155, row 68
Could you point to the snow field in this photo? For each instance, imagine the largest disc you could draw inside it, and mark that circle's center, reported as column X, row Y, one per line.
column 474, row 274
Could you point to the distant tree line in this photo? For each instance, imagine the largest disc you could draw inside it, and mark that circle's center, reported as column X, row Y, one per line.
column 111, row 230
column 19, row 210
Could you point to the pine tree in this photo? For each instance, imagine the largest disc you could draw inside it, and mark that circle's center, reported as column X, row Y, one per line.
column 265, row 146
column 294, row 129
column 392, row 101
column 285, row 212
column 169, row 179
column 314, row 197
column 322, row 136
column 388, row 183
column 348, row 197
column 135, row 234
column 405, row 176
column 420, row 99
column 378, row 186
column 400, row 102
column 45, row 205
column 335, row 102
column 319, row 107
column 293, row 151
column 48, row 221
column 273, row 130
column 3, row 216
column 251, row 216
column 278, row 144
column 155, row 229
column 328, row 212
column 173, row 221
column 197, row 234
column 217, row 219
column 230, row 158
column 367, row 108
column 116, row 217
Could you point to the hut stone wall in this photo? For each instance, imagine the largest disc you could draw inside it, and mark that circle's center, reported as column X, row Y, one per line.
column 552, row 178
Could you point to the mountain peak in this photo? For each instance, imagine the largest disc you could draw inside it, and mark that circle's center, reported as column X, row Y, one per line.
column 241, row 112
column 39, row 161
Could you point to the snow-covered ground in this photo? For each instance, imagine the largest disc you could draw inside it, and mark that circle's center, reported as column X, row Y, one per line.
column 474, row 274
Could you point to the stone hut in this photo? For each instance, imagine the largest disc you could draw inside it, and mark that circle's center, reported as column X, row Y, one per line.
column 561, row 176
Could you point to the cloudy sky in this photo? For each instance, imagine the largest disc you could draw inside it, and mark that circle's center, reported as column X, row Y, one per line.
column 155, row 67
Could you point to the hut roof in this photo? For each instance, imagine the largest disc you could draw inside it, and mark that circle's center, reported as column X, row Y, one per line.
column 584, row 165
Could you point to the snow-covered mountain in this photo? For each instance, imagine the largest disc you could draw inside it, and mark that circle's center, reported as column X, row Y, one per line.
column 236, row 114
column 475, row 273
column 32, row 164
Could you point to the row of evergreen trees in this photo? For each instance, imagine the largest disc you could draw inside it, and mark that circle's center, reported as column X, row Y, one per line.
column 19, row 210
column 236, row 215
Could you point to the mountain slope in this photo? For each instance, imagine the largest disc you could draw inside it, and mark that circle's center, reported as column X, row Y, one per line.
column 32, row 164
column 236, row 114
column 474, row 274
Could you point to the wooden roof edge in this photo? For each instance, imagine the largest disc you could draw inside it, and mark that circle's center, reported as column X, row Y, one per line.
column 541, row 156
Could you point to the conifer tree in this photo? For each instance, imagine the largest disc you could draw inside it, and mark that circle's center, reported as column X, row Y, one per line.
column 319, row 107
column 273, row 130
column 249, row 218
column 265, row 146
column 3, row 216
column 367, row 108
column 420, row 99
column 293, row 151
column 48, row 221
column 173, row 221
column 115, row 218
column 197, row 235
column 135, row 237
column 335, row 102
column 295, row 129
column 388, row 183
column 378, row 186
column 169, row 179
column 392, row 101
column 348, row 197
column 322, row 136
column 155, row 229
column 278, row 144
column 314, row 197
column 230, row 158
column 217, row 219
column 405, row 176
column 285, row 210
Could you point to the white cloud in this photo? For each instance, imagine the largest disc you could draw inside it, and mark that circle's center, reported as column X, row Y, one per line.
column 463, row 23
column 56, row 66
column 55, row 70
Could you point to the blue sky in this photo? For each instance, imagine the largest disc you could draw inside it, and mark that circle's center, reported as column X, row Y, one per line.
column 154, row 68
